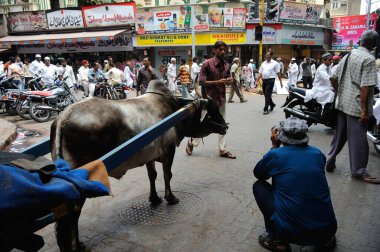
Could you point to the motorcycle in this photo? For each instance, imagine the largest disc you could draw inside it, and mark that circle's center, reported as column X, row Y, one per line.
column 23, row 103
column 55, row 99
column 105, row 91
column 310, row 111
column 373, row 133
column 7, row 91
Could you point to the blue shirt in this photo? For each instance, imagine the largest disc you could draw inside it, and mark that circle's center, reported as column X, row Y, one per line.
column 94, row 76
column 303, row 208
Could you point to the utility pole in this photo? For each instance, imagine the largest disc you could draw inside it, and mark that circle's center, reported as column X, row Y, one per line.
column 192, row 28
column 262, row 24
column 369, row 3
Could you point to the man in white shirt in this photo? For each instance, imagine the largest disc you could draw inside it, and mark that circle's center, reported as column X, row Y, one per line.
column 322, row 89
column 268, row 71
column 115, row 75
column 36, row 66
column 292, row 73
column 83, row 76
column 172, row 75
column 49, row 72
column 69, row 73
column 195, row 69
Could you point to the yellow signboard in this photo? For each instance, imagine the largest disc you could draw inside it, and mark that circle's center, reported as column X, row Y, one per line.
column 228, row 38
column 185, row 39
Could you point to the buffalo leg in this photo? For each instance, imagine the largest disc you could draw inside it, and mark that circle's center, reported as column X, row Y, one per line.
column 152, row 173
column 67, row 232
column 167, row 166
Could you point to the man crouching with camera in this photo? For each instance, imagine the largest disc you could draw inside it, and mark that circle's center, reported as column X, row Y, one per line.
column 297, row 206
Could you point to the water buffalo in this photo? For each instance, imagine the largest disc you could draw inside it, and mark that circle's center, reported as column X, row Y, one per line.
column 90, row 128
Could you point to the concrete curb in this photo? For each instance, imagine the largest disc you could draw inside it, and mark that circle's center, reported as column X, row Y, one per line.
column 8, row 133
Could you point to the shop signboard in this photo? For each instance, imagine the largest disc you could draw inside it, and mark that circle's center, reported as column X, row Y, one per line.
column 300, row 35
column 109, row 15
column 64, row 19
column 27, row 21
column 226, row 18
column 269, row 35
column 185, row 39
column 302, row 13
column 119, row 43
column 201, row 22
column 349, row 29
column 144, row 22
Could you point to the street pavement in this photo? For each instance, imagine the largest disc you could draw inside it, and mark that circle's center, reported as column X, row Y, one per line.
column 226, row 217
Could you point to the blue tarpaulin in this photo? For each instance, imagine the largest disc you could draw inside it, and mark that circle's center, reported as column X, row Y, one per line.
column 22, row 192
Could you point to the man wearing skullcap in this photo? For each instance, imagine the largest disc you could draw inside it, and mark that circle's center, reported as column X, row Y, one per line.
column 83, row 76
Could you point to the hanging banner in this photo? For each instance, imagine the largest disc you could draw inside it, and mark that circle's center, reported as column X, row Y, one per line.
column 64, row 19
column 300, row 35
column 349, row 29
column 201, row 22
column 222, row 18
column 27, row 21
column 109, row 15
column 302, row 13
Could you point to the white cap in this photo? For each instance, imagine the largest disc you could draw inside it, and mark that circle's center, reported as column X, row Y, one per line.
column 46, row 58
column 279, row 58
column 105, row 61
column 172, row 59
column 251, row 60
column 38, row 55
column 293, row 58
column 1, row 62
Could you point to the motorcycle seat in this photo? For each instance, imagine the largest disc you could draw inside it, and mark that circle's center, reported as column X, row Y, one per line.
column 300, row 91
column 41, row 93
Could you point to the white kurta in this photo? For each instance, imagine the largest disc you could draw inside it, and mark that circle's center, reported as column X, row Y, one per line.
column 322, row 89
column 69, row 73
column 172, row 74
column 292, row 74
column 48, row 74
column 128, row 76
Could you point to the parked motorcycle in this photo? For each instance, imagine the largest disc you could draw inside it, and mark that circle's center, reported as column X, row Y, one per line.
column 54, row 100
column 23, row 103
column 310, row 111
column 7, row 89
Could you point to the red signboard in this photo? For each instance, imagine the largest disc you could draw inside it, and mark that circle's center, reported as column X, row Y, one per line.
column 347, row 30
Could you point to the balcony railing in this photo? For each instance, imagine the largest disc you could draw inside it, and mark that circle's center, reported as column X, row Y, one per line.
column 17, row 2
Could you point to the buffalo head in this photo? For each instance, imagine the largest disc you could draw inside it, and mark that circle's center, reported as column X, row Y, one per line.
column 200, row 125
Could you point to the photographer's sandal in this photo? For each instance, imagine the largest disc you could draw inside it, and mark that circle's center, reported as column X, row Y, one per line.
column 227, row 154
column 274, row 245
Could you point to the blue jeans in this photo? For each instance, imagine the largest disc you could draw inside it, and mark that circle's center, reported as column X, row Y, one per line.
column 19, row 84
column 185, row 91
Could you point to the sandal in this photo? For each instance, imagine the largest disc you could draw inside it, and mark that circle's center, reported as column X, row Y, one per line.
column 273, row 245
column 227, row 154
column 189, row 148
column 367, row 179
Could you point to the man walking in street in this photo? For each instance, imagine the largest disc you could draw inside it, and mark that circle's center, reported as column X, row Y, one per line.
column 268, row 71
column 172, row 74
column 213, row 77
column 235, row 86
column 195, row 69
column 292, row 73
column 145, row 75
column 48, row 73
column 83, row 76
column 307, row 76
column 355, row 81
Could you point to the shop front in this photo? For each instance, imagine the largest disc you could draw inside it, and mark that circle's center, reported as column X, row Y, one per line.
column 166, row 46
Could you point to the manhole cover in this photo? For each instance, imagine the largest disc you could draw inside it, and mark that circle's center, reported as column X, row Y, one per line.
column 140, row 211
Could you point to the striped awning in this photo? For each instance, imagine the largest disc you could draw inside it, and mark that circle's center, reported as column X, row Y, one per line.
column 58, row 38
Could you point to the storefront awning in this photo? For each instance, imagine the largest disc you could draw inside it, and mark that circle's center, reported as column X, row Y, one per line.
column 59, row 37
